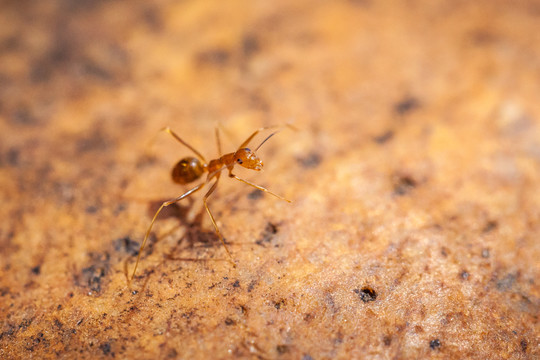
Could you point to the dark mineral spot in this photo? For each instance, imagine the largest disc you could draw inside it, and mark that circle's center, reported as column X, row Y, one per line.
column 91, row 209
column 9, row 332
column 10, row 43
column 36, row 270
column 94, row 141
column 523, row 345
column 236, row 284
column 251, row 285
column 444, row 251
column 367, row 294
column 266, row 236
column 384, row 137
column 279, row 304
column 95, row 70
column 229, row 322
column 105, row 348
column 126, row 245
column 173, row 354
column 25, row 323
column 10, row 158
column 464, row 275
column 506, row 283
column 23, row 116
column 482, row 37
column 250, row 45
column 153, row 18
column 310, row 161
column 92, row 276
column 435, row 344
column 282, row 349
column 490, row 226
column 387, row 340
column 119, row 208
column 406, row 105
column 338, row 339
column 243, row 309
column 403, row 185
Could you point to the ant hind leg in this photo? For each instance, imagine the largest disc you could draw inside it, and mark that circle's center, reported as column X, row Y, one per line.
column 173, row 134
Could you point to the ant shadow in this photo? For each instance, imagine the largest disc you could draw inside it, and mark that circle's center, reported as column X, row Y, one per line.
column 194, row 238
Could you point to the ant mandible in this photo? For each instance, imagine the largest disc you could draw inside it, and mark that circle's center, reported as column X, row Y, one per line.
column 191, row 168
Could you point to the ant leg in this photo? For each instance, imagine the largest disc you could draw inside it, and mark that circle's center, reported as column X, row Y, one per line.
column 214, row 221
column 166, row 203
column 218, row 142
column 246, row 142
column 258, row 187
column 169, row 131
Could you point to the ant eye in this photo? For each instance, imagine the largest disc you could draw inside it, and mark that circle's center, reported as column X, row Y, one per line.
column 239, row 161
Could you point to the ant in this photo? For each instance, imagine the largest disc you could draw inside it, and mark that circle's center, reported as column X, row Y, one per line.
column 191, row 168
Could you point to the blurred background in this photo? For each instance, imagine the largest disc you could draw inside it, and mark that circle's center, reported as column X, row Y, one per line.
column 414, row 172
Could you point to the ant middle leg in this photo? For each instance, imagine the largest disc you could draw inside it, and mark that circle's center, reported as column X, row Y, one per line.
column 205, row 199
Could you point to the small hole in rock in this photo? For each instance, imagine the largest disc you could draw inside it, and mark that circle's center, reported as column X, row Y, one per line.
column 367, row 294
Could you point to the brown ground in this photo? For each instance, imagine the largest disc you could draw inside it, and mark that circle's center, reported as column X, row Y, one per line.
column 415, row 175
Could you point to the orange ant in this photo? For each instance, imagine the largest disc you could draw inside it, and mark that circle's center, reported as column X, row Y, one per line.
column 191, row 168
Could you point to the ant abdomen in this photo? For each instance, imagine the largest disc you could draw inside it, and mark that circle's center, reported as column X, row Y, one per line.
column 187, row 170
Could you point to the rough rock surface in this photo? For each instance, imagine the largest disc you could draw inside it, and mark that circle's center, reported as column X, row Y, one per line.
column 414, row 171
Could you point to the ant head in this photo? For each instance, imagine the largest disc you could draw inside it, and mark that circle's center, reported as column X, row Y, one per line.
column 247, row 158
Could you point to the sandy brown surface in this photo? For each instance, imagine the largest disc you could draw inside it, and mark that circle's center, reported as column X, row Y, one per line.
column 415, row 176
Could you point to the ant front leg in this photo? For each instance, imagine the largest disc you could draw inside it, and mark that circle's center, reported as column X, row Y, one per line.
column 246, row 142
column 258, row 187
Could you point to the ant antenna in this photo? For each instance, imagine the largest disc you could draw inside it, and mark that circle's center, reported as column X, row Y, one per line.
column 265, row 140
